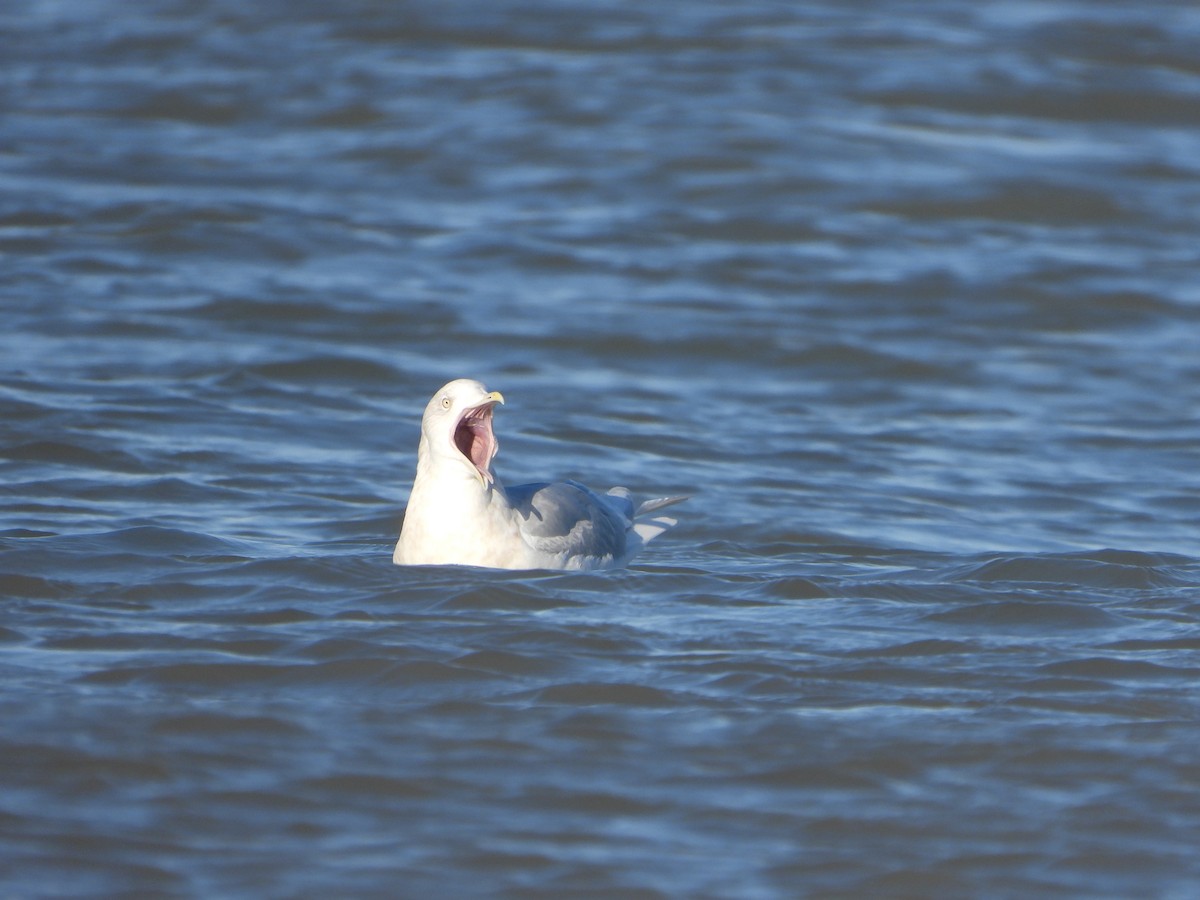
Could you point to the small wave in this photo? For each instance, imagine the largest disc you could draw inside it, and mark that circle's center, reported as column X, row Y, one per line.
column 70, row 454
column 1107, row 569
column 215, row 724
column 1109, row 668
column 927, row 647
column 13, row 584
column 1028, row 614
column 146, row 539
column 326, row 368
column 607, row 694
column 504, row 597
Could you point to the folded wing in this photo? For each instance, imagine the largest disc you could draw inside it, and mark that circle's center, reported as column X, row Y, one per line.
column 565, row 520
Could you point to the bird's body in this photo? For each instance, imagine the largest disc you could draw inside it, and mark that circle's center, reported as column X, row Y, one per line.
column 459, row 513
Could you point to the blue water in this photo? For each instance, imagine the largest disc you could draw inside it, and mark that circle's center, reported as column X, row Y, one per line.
column 905, row 297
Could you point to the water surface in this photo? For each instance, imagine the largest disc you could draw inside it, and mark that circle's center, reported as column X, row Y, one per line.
column 905, row 297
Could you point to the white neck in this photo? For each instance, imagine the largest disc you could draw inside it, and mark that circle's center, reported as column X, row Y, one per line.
column 446, row 499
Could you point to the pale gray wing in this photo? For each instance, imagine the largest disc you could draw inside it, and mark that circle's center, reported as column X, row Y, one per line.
column 566, row 518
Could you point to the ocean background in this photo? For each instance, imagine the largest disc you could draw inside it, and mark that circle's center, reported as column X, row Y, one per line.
column 905, row 295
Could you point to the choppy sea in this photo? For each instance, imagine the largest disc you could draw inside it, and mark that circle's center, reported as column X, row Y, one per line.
column 906, row 296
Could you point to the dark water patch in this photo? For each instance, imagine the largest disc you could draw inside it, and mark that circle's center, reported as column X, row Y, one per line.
column 1050, row 307
column 20, row 219
column 114, row 642
column 921, row 648
column 338, row 648
column 781, row 543
column 206, row 725
column 275, row 576
column 1102, row 667
column 15, row 410
column 501, row 662
column 73, row 455
column 795, row 588
column 326, row 369
column 421, row 674
column 395, row 155
column 201, row 676
column 546, row 259
column 892, row 675
column 166, row 592
column 265, row 617
column 505, row 597
column 724, row 601
column 1064, row 685
column 575, row 640
column 1100, row 571
column 746, row 230
column 613, row 581
column 248, row 646
column 596, row 803
column 190, row 106
column 220, row 674
column 583, row 694
column 1140, row 558
column 138, row 540
column 1058, row 104
column 365, row 786
column 497, row 862
column 918, row 591
column 355, row 115
column 1099, row 704
column 79, row 769
column 837, row 361
column 1032, row 614
column 182, row 231
column 376, row 669
column 659, row 349
column 1155, row 644
column 592, row 725
column 16, row 585
column 70, row 871
column 252, row 311
column 806, row 776
column 1019, row 202
column 181, row 491
column 750, row 684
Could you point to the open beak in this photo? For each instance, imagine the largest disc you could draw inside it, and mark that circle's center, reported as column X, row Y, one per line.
column 475, row 440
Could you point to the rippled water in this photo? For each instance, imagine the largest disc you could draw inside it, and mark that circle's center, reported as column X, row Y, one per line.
column 904, row 295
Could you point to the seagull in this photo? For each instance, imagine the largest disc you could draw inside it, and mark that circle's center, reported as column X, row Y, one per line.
column 459, row 512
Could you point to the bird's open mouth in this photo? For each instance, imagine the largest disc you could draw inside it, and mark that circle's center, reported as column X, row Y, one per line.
column 474, row 438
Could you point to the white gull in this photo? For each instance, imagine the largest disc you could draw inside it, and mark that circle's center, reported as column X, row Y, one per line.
column 459, row 513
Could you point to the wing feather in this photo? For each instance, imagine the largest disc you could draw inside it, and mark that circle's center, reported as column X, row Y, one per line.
column 566, row 518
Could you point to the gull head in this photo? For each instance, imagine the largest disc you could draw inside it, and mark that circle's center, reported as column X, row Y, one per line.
column 457, row 427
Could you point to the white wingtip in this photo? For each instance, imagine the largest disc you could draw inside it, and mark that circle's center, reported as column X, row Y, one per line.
column 649, row 529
